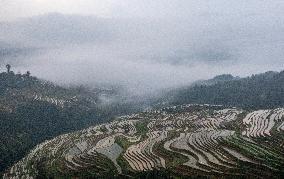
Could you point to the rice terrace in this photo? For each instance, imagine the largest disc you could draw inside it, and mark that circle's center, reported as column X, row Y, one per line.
column 188, row 140
column 142, row 89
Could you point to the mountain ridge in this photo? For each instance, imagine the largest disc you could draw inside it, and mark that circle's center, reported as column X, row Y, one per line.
column 265, row 90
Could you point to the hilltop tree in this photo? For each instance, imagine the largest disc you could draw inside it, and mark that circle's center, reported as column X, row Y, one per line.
column 28, row 73
column 8, row 66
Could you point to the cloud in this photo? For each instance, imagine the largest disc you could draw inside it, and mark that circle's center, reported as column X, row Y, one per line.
column 11, row 9
column 146, row 45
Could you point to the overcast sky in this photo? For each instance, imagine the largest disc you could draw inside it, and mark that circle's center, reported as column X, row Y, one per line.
column 11, row 9
column 144, row 44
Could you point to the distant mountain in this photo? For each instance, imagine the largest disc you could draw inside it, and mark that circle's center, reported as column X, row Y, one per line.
column 216, row 79
column 258, row 91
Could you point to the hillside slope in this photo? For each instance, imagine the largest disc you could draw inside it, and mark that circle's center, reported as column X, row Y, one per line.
column 258, row 92
column 188, row 140
column 34, row 110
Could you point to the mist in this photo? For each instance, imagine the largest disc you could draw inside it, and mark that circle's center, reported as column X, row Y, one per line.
column 147, row 46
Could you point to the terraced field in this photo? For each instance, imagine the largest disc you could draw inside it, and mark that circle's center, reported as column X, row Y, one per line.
column 189, row 140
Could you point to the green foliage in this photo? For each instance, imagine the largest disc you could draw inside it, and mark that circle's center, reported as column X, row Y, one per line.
column 122, row 142
column 258, row 91
column 173, row 159
column 103, row 129
column 142, row 129
column 163, row 174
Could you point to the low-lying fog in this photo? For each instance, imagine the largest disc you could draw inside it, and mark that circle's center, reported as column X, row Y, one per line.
column 146, row 53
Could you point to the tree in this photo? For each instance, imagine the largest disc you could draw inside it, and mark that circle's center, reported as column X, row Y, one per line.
column 28, row 73
column 8, row 66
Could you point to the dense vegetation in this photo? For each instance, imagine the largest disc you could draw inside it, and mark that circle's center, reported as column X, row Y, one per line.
column 24, row 121
column 33, row 110
column 258, row 91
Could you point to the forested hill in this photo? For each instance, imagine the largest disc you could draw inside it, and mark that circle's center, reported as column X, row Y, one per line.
column 33, row 110
column 264, row 90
